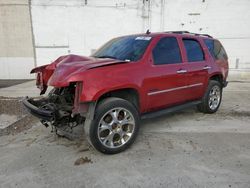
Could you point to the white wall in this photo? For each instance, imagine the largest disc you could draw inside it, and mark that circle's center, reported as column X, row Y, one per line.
column 227, row 20
column 16, row 47
column 71, row 26
column 76, row 28
column 62, row 27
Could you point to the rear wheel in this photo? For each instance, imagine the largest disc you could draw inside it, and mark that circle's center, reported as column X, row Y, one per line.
column 212, row 98
column 115, row 125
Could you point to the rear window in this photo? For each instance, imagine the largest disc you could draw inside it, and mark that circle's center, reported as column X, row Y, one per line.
column 216, row 49
column 194, row 50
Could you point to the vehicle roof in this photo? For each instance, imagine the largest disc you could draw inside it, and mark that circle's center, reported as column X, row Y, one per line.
column 173, row 33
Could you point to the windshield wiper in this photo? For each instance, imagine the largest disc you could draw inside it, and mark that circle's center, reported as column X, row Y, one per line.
column 107, row 56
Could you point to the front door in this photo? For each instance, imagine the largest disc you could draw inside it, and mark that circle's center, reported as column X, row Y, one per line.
column 167, row 82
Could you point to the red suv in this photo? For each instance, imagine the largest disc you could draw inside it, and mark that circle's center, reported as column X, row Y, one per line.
column 130, row 78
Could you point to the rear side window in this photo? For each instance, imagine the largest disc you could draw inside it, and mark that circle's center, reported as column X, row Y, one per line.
column 167, row 51
column 216, row 49
column 193, row 49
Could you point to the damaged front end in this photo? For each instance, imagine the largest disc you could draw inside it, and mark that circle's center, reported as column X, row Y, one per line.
column 64, row 107
column 60, row 108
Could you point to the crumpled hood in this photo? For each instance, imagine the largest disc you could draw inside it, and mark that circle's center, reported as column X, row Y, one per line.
column 67, row 66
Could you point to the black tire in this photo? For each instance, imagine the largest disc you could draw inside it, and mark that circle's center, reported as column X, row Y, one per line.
column 103, row 107
column 205, row 106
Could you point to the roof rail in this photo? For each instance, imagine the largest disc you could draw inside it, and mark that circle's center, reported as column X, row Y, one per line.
column 187, row 32
column 177, row 32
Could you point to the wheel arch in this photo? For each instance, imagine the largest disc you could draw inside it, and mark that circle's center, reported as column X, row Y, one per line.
column 129, row 94
column 217, row 76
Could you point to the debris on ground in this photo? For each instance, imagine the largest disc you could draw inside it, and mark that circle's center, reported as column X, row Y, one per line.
column 82, row 160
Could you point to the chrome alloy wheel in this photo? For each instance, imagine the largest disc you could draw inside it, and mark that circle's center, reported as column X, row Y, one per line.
column 214, row 97
column 116, row 127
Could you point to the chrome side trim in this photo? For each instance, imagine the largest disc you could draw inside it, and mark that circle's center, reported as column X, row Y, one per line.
column 174, row 89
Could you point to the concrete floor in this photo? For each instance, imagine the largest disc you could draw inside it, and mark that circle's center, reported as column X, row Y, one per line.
column 185, row 149
column 8, row 83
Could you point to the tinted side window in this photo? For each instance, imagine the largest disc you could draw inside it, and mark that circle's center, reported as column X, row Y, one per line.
column 216, row 49
column 193, row 49
column 210, row 45
column 167, row 51
column 219, row 51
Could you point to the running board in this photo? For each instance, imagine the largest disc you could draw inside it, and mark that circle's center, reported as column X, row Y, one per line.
column 169, row 110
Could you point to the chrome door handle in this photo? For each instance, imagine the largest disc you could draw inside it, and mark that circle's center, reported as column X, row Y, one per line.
column 181, row 71
column 206, row 67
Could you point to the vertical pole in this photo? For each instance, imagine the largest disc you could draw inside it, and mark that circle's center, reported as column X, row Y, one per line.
column 237, row 63
column 143, row 16
column 32, row 33
column 162, row 15
column 146, row 15
column 149, row 15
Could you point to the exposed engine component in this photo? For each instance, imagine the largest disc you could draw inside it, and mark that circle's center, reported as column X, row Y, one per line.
column 59, row 102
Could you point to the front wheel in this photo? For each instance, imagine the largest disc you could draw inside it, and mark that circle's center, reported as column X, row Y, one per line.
column 114, row 127
column 212, row 98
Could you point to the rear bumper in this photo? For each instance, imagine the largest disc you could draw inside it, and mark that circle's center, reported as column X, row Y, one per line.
column 39, row 113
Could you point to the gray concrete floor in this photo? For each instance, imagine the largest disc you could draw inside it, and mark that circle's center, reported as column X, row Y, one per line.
column 20, row 90
column 185, row 149
column 8, row 83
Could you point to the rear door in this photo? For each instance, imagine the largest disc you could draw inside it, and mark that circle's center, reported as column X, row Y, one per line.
column 197, row 66
column 166, row 84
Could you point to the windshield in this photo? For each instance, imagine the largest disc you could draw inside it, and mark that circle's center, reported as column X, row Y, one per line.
column 130, row 48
